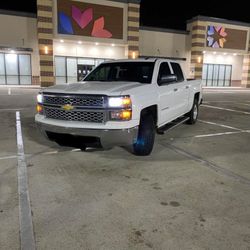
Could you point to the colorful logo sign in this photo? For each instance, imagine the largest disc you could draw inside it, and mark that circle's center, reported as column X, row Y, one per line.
column 78, row 18
column 216, row 36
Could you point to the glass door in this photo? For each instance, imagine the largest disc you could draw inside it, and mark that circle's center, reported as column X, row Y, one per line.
column 216, row 75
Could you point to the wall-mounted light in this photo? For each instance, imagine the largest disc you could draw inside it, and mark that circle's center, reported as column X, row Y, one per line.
column 46, row 50
column 61, row 41
column 113, row 45
column 12, row 51
column 199, row 59
column 214, row 52
column 133, row 55
column 224, row 54
column 204, row 52
column 234, row 54
column 96, row 44
column 79, row 42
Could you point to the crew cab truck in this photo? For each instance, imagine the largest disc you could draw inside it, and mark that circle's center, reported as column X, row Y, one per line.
column 121, row 102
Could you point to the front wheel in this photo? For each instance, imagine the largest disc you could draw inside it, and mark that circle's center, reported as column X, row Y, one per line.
column 193, row 114
column 146, row 136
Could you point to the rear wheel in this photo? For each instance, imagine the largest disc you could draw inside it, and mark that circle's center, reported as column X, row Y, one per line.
column 194, row 112
column 146, row 136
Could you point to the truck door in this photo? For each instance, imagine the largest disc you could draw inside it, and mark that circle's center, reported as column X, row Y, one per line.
column 181, row 91
column 166, row 96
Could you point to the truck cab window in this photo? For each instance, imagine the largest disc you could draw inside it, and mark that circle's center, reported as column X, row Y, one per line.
column 177, row 71
column 164, row 70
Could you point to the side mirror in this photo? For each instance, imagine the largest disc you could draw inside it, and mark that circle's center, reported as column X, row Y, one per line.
column 166, row 79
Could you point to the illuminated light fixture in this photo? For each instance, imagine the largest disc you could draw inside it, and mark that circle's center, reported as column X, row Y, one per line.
column 214, row 52
column 204, row 52
column 79, row 42
column 61, row 41
column 12, row 51
column 199, row 59
column 123, row 101
column 113, row 45
column 224, row 54
column 234, row 54
column 133, row 55
column 46, row 50
column 39, row 108
column 96, row 44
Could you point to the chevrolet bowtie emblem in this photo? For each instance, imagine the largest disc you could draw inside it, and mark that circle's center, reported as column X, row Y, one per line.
column 67, row 107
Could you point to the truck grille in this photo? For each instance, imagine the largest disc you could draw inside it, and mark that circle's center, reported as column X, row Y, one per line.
column 81, row 101
column 75, row 115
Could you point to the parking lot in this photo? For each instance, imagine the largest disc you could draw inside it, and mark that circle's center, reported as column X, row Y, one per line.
column 192, row 192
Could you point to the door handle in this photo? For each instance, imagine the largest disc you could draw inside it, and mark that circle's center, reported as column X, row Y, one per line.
column 187, row 87
column 175, row 89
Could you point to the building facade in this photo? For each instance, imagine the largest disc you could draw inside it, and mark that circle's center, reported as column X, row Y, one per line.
column 67, row 38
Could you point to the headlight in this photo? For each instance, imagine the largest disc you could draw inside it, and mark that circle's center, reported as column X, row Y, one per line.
column 119, row 102
column 39, row 98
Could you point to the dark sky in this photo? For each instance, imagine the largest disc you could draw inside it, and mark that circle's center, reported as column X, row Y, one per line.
column 167, row 13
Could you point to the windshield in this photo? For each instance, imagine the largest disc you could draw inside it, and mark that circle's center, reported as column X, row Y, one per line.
column 123, row 71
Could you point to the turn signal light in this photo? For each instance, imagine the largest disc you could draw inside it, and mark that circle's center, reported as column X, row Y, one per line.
column 121, row 115
column 39, row 108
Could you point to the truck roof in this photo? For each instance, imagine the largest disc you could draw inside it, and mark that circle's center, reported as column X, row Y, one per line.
column 150, row 59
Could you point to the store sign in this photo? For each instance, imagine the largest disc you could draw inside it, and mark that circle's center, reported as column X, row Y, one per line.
column 221, row 37
column 87, row 19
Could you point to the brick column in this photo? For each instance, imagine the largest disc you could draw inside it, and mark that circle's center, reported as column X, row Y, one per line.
column 45, row 41
column 246, row 69
column 133, row 29
column 198, row 40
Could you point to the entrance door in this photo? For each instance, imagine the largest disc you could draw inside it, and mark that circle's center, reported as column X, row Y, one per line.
column 82, row 71
column 216, row 75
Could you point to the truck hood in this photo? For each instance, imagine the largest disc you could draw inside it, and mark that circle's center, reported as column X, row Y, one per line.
column 102, row 88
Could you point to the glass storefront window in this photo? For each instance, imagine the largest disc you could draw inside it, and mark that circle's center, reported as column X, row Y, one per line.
column 2, row 69
column 15, row 69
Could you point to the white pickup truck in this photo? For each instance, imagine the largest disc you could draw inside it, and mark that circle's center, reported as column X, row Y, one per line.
column 122, row 102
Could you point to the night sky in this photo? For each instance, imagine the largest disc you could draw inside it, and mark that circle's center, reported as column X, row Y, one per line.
column 170, row 14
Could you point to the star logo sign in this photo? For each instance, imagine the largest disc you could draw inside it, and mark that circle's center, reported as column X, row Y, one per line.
column 216, row 36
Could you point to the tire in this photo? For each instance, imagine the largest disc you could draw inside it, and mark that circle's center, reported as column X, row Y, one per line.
column 194, row 112
column 146, row 136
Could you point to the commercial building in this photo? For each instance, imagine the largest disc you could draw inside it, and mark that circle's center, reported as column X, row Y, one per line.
column 66, row 39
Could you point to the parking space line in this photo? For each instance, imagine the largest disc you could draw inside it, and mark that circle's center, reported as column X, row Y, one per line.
column 16, row 109
column 209, row 164
column 219, row 134
column 25, row 218
column 8, row 157
column 220, row 108
column 220, row 125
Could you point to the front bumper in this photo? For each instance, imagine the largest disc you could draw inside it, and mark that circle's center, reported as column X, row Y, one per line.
column 108, row 137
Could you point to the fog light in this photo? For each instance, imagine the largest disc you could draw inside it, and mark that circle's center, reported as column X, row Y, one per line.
column 121, row 115
column 39, row 108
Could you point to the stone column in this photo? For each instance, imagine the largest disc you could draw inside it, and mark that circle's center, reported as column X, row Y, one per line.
column 133, row 29
column 198, row 40
column 246, row 72
column 45, row 41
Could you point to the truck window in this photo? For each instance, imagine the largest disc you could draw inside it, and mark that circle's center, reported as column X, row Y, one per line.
column 123, row 71
column 177, row 71
column 164, row 70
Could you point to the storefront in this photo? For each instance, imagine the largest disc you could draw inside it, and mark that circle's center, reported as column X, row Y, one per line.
column 68, row 38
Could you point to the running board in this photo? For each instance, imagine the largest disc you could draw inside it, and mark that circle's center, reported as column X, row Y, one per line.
column 171, row 125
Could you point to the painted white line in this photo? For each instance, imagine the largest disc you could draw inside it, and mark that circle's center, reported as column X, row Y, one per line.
column 76, row 150
column 8, row 157
column 217, row 134
column 232, row 110
column 25, row 218
column 16, row 109
column 220, row 125
column 220, row 134
column 50, row 152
